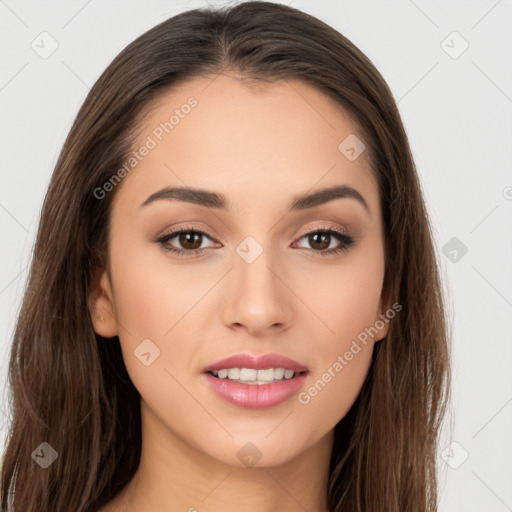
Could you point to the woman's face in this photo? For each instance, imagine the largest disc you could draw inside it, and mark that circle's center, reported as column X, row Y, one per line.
column 267, row 281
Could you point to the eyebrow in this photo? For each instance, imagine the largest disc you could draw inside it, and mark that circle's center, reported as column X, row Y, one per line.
column 216, row 200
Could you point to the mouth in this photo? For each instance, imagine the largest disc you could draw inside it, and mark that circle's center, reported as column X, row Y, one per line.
column 256, row 382
column 256, row 377
column 252, row 388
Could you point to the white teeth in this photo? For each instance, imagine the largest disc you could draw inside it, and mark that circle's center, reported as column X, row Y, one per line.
column 234, row 373
column 252, row 376
column 278, row 373
column 266, row 375
column 248, row 374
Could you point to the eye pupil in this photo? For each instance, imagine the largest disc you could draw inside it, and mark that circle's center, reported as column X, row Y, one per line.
column 188, row 238
column 323, row 245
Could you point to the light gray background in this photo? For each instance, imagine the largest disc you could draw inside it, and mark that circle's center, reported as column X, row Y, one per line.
column 457, row 112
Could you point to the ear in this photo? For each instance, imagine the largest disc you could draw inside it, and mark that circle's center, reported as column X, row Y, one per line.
column 101, row 305
column 382, row 320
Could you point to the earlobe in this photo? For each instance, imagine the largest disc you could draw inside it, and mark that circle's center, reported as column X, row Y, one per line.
column 382, row 325
column 101, row 306
column 382, row 321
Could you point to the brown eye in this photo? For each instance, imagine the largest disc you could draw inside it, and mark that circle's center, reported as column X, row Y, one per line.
column 188, row 241
column 320, row 240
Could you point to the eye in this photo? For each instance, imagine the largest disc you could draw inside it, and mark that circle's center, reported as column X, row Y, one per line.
column 321, row 238
column 189, row 238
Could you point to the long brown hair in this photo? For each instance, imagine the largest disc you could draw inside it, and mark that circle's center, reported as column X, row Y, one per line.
column 69, row 387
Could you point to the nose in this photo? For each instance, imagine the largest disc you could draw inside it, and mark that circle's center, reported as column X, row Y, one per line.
column 258, row 299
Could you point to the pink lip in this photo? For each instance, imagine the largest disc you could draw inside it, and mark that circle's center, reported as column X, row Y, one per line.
column 257, row 363
column 252, row 396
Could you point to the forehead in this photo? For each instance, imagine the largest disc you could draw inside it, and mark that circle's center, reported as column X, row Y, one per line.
column 248, row 140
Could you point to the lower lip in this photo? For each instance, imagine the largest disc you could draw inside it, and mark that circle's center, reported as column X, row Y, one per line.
column 254, row 396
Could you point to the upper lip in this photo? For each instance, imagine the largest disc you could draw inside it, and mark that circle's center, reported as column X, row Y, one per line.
column 261, row 362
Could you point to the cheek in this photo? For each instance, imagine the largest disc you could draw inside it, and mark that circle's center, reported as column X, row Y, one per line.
column 154, row 308
column 343, row 299
column 345, row 303
column 154, row 295
column 160, row 302
column 332, row 389
column 342, row 355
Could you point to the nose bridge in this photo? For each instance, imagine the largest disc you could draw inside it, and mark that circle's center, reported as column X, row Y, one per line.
column 257, row 299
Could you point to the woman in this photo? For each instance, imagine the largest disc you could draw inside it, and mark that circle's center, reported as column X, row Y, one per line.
column 234, row 299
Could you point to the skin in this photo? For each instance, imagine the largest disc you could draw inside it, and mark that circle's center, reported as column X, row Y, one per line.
column 260, row 147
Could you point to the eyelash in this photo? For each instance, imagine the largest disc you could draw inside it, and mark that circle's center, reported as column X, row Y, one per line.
column 346, row 240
